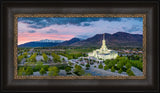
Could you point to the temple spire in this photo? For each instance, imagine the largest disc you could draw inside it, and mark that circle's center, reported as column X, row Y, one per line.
column 104, row 47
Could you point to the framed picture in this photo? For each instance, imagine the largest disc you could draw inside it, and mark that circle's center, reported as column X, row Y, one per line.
column 73, row 46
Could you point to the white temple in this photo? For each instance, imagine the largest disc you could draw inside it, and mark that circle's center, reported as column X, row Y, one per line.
column 103, row 53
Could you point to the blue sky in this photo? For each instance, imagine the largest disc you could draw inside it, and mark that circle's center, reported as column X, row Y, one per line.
column 34, row 29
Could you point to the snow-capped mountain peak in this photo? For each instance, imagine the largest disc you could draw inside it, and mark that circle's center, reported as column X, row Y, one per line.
column 53, row 41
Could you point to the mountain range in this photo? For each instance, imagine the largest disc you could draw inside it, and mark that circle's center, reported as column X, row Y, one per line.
column 53, row 41
column 119, row 39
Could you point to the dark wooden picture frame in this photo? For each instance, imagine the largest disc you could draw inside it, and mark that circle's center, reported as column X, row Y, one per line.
column 150, row 83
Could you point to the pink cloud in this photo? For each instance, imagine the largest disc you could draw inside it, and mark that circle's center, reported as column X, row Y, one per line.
column 26, row 37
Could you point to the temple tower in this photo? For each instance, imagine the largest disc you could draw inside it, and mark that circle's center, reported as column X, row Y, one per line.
column 103, row 52
column 104, row 47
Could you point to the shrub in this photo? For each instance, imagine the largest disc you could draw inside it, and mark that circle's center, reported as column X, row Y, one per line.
column 68, row 69
column 53, row 71
column 45, row 67
column 45, row 57
column 100, row 66
column 33, row 58
column 38, row 66
column 56, row 58
column 25, row 54
column 95, row 66
column 128, row 65
column 107, row 61
column 114, row 62
column 119, row 65
column 120, row 71
column 42, row 71
column 130, row 72
column 78, row 70
column 29, row 71
column 110, row 65
column 106, row 67
column 20, row 58
column 112, row 69
column 70, row 63
column 81, row 72
column 87, row 65
column 80, row 59
column 21, row 71
column 63, row 59
column 137, row 64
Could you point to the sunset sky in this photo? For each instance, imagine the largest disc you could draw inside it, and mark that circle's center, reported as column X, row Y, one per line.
column 35, row 29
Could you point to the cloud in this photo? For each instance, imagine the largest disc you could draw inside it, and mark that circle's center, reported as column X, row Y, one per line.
column 133, row 28
column 52, row 31
column 38, row 23
column 86, row 24
column 125, row 19
column 31, row 31
column 82, row 36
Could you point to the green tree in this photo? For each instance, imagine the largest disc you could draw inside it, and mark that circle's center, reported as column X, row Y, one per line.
column 137, row 64
column 29, row 71
column 111, row 64
column 25, row 54
column 20, row 58
column 27, row 59
column 33, row 57
column 100, row 66
column 80, row 59
column 128, row 65
column 45, row 57
column 107, row 61
column 112, row 69
column 130, row 72
column 81, row 72
column 53, row 71
column 38, row 66
column 120, row 71
column 21, row 71
column 70, row 63
column 114, row 62
column 119, row 65
column 87, row 65
column 106, row 67
column 42, row 71
column 63, row 59
column 78, row 70
column 45, row 67
column 56, row 58
column 68, row 69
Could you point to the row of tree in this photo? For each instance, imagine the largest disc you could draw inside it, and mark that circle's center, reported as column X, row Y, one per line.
column 56, row 58
column 52, row 71
column 72, row 55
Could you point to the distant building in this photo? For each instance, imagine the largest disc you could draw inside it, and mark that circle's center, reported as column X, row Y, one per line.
column 103, row 53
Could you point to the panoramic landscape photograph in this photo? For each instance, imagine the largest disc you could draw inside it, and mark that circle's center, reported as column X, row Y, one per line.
column 80, row 46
